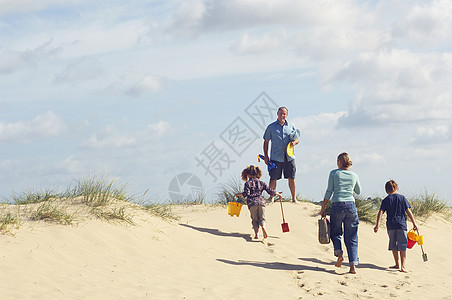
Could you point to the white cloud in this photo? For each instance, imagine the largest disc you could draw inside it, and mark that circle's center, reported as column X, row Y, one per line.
column 148, row 83
column 437, row 134
column 255, row 45
column 81, row 70
column 113, row 137
column 109, row 137
column 397, row 86
column 428, row 22
column 26, row 6
column 41, row 127
column 13, row 60
column 159, row 129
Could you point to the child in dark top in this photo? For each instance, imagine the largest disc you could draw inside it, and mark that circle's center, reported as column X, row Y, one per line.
column 252, row 191
column 397, row 208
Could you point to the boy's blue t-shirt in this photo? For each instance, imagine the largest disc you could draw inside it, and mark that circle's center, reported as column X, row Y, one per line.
column 395, row 206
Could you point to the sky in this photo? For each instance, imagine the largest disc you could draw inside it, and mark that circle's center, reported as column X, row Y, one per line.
column 171, row 98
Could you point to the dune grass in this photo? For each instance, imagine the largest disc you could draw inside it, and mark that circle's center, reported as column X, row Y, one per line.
column 426, row 204
column 422, row 205
column 7, row 221
column 226, row 191
column 161, row 210
column 106, row 200
column 94, row 196
column 51, row 213
column 32, row 197
column 97, row 191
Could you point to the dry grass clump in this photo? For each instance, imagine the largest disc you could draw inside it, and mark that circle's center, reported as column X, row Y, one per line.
column 94, row 197
column 422, row 205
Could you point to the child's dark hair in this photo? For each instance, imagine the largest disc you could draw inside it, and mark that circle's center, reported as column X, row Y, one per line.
column 391, row 186
column 251, row 171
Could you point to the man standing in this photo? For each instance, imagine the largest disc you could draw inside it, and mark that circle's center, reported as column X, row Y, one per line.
column 281, row 133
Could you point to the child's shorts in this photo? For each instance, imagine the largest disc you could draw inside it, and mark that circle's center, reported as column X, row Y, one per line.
column 397, row 239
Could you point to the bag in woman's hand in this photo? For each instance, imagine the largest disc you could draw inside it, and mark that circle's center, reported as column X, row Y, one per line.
column 324, row 231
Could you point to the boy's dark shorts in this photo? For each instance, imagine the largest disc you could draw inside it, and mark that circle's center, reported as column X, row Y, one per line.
column 397, row 239
column 288, row 167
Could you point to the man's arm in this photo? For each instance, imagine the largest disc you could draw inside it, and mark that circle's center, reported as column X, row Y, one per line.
column 266, row 158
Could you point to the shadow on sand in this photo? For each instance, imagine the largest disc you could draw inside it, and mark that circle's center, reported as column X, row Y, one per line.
column 360, row 266
column 275, row 265
column 217, row 232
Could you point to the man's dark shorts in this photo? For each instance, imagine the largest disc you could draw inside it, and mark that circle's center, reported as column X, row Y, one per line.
column 288, row 167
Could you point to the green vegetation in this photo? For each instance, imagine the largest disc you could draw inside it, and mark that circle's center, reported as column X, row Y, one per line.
column 51, row 213
column 161, row 210
column 34, row 197
column 92, row 197
column 106, row 200
column 8, row 220
column 97, row 191
column 227, row 191
column 422, row 206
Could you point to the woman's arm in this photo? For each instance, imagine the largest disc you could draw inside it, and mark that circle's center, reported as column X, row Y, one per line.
column 357, row 188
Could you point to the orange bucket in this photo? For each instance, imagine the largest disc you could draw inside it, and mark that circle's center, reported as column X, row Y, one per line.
column 234, row 208
column 412, row 239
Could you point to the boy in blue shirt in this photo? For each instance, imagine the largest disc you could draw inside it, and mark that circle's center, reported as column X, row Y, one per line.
column 397, row 208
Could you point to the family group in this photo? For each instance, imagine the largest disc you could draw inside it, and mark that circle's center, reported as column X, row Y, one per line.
column 342, row 185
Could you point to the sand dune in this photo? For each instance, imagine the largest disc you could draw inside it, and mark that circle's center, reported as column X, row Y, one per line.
column 210, row 255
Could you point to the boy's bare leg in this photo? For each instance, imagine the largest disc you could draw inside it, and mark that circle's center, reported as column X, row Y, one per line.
column 340, row 258
column 264, row 232
column 402, row 261
column 395, row 253
column 256, row 233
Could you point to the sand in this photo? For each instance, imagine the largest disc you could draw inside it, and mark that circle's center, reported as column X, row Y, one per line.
column 209, row 255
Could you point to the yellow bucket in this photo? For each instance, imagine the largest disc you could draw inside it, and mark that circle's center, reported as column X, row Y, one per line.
column 234, row 208
column 420, row 240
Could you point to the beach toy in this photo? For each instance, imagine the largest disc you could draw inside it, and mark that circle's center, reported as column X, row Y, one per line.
column 270, row 165
column 420, row 240
column 412, row 235
column 424, row 255
column 412, row 239
column 410, row 243
column 324, row 230
column 290, row 149
column 234, row 208
column 295, row 134
column 284, row 225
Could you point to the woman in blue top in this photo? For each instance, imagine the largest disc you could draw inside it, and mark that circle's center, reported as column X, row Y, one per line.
column 342, row 183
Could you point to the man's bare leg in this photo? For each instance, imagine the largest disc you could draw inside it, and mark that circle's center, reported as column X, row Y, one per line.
column 292, row 187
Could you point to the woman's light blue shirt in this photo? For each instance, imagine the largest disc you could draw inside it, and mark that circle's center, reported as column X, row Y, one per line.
column 341, row 185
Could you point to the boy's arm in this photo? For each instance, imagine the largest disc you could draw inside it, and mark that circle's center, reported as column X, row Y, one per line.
column 380, row 212
column 410, row 215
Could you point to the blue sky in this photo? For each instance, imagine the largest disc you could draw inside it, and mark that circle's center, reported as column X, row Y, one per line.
column 142, row 91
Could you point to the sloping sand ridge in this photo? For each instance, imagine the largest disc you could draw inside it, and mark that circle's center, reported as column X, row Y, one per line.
column 210, row 255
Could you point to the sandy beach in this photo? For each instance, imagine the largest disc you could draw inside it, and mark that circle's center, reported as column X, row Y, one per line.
column 207, row 254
